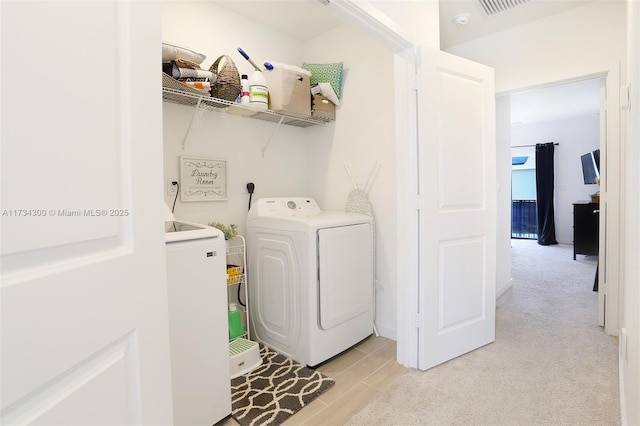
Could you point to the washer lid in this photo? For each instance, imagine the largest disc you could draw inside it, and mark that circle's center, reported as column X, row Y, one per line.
column 184, row 231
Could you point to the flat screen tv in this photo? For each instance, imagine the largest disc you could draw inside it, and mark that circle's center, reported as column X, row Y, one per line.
column 591, row 167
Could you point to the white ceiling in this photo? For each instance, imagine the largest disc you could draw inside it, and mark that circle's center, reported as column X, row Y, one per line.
column 306, row 19
column 481, row 25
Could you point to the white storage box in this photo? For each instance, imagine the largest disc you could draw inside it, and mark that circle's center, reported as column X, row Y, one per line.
column 289, row 89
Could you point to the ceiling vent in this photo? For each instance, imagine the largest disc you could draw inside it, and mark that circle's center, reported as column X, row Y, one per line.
column 494, row 7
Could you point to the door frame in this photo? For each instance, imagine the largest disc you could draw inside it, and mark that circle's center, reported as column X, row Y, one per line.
column 373, row 22
column 609, row 274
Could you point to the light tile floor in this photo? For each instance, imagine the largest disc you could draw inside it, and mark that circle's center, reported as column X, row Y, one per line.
column 360, row 373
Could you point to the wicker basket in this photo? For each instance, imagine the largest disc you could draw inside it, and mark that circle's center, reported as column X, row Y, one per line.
column 227, row 85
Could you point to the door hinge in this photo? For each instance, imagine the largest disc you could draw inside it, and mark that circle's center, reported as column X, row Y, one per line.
column 625, row 98
column 417, row 203
column 413, row 84
column 421, row 202
column 418, row 320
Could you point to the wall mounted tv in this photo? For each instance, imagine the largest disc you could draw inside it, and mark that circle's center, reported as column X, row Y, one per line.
column 591, row 167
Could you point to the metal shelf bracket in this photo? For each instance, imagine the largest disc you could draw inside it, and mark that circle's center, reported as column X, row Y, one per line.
column 197, row 111
column 275, row 130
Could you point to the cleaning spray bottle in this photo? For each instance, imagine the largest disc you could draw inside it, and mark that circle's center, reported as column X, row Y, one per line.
column 235, row 322
column 258, row 89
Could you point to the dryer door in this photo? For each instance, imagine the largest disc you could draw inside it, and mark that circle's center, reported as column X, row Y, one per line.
column 345, row 269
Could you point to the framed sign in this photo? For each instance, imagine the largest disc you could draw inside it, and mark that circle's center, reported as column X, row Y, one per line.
column 203, row 179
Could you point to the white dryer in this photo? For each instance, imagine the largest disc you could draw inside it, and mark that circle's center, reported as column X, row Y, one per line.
column 310, row 278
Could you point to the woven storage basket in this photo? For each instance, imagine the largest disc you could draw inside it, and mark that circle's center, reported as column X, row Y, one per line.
column 227, row 86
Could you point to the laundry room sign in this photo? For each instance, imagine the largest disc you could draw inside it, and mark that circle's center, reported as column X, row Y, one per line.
column 203, row 179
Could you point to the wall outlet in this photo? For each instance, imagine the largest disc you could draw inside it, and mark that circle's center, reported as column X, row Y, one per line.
column 171, row 188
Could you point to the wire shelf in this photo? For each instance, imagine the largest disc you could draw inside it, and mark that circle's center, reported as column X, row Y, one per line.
column 220, row 105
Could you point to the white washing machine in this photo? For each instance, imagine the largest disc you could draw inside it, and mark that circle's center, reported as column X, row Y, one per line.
column 198, row 332
column 310, row 278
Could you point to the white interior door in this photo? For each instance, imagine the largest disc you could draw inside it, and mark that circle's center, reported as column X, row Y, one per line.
column 84, row 323
column 457, row 209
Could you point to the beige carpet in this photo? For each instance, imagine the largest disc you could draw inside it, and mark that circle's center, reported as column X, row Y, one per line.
column 550, row 364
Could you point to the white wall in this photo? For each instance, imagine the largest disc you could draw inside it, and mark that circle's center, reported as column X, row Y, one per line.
column 575, row 136
column 503, row 200
column 299, row 161
column 205, row 27
column 362, row 135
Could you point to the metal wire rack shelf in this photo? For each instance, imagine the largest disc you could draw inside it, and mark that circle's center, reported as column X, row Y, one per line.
column 220, row 105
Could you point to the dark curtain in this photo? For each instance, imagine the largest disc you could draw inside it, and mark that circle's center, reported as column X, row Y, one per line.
column 544, row 193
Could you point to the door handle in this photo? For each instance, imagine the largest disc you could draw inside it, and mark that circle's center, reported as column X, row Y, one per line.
column 596, row 211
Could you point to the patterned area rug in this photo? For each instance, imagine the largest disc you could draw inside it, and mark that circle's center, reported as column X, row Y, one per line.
column 274, row 391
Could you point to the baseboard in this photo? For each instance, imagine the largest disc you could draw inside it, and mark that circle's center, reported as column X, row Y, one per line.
column 504, row 288
column 623, row 400
column 389, row 333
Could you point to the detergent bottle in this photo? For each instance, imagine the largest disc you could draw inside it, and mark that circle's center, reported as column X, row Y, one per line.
column 258, row 91
column 235, row 322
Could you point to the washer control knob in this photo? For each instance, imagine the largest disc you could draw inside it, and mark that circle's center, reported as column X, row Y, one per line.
column 291, row 205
